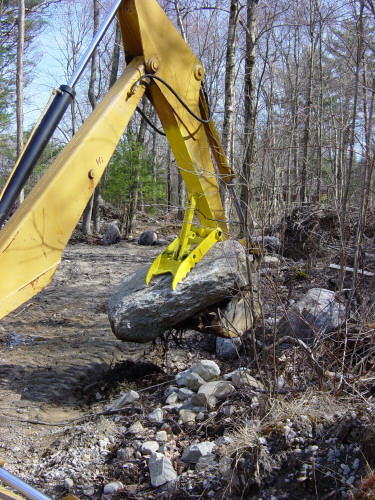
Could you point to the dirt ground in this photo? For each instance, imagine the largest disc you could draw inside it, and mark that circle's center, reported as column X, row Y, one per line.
column 58, row 344
column 61, row 367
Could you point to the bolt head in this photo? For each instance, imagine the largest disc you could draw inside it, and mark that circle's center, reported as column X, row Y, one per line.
column 198, row 72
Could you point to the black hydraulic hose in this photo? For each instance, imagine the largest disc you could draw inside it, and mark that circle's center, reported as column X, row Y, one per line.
column 35, row 148
column 203, row 90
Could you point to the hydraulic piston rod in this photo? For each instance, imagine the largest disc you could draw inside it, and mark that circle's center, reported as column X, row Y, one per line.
column 43, row 133
column 25, row 489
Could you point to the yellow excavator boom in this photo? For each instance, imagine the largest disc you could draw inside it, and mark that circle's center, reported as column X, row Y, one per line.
column 160, row 64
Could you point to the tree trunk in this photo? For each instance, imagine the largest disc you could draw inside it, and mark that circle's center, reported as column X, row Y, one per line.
column 250, row 108
column 359, row 34
column 19, row 83
column 91, row 211
column 230, row 73
column 308, row 106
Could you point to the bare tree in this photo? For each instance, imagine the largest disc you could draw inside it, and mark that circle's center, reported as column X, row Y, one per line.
column 19, row 81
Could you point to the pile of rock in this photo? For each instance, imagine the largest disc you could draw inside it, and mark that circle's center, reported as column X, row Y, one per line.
column 197, row 391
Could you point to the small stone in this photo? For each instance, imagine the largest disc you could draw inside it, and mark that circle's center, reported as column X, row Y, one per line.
column 162, row 436
column 89, row 492
column 202, row 399
column 206, row 369
column 227, row 348
column 172, row 398
column 125, row 454
column 242, row 377
column 351, row 480
column 169, row 390
column 156, row 416
column 301, row 479
column 161, row 469
column 280, row 382
column 224, row 440
column 193, row 381
column 136, row 428
column 181, row 376
column 346, row 470
column 149, row 447
column 185, row 393
column 356, row 464
column 220, row 389
column 186, row 416
column 194, row 452
column 112, row 488
column 68, row 483
column 173, row 407
column 204, row 462
column 127, row 398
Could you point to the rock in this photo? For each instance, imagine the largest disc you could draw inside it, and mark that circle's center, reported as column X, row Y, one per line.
column 204, row 462
column 112, row 236
column 224, row 440
column 125, row 399
column 170, row 389
column 271, row 261
column 173, row 407
column 147, row 238
column 181, row 377
column 228, row 348
column 234, row 319
column 172, row 398
column 185, row 393
column 193, row 381
column 194, row 452
column 140, row 314
column 161, row 469
column 112, row 488
column 208, row 401
column 160, row 242
column 156, row 416
column 162, row 436
column 186, row 416
column 242, row 377
column 271, row 243
column 125, row 454
column 136, row 428
column 220, row 389
column 149, row 447
column 318, row 312
column 68, row 483
column 206, row 369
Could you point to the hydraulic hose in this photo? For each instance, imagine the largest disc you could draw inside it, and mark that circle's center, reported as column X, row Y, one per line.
column 35, row 148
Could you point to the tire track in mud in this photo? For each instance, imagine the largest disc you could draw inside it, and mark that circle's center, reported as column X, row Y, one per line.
column 61, row 341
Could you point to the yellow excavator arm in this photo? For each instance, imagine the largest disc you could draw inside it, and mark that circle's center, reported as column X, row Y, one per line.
column 160, row 64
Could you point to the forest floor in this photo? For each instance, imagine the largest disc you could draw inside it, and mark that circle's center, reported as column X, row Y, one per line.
column 61, row 367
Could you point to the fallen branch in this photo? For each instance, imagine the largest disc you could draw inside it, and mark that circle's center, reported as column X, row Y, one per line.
column 351, row 270
column 314, row 364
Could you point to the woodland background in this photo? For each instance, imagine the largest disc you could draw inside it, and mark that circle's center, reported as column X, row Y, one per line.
column 291, row 85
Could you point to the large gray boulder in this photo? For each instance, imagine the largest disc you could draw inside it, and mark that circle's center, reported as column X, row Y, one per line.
column 140, row 313
column 317, row 313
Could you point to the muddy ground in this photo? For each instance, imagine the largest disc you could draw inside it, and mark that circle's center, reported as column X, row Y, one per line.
column 60, row 343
